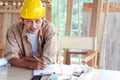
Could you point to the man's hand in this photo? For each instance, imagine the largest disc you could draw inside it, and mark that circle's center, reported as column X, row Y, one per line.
column 35, row 64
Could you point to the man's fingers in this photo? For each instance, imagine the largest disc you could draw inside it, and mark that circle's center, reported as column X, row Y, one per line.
column 41, row 66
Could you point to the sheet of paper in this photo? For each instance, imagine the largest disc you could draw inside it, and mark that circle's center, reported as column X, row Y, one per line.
column 50, row 69
column 3, row 61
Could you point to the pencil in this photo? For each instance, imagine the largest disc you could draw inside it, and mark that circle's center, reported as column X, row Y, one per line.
column 36, row 58
column 40, row 60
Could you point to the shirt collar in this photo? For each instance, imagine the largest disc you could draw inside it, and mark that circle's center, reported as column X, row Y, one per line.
column 24, row 33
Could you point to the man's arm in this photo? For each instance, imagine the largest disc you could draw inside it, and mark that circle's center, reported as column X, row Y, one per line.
column 13, row 50
column 29, row 63
column 50, row 47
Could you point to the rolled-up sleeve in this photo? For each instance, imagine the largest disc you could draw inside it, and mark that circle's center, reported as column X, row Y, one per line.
column 50, row 47
column 12, row 48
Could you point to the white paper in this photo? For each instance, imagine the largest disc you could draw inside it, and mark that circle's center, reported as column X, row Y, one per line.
column 3, row 61
column 50, row 69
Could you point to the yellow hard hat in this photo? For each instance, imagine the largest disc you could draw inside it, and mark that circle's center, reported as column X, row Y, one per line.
column 32, row 9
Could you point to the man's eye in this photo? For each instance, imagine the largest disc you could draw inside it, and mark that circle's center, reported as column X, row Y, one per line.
column 37, row 21
column 29, row 21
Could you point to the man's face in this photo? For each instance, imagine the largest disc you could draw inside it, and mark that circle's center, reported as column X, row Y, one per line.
column 33, row 25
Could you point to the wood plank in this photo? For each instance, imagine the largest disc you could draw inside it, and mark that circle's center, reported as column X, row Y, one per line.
column 112, row 42
column 1, row 27
column 95, row 18
column 46, row 1
column 68, row 23
column 15, row 16
column 79, row 42
column 113, row 7
column 17, row 9
column 2, row 47
column 69, row 16
column 49, row 12
column 23, row 0
column 9, row 11
column 11, row 0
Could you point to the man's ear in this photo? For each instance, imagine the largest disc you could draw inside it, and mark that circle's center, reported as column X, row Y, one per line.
column 24, row 21
column 21, row 18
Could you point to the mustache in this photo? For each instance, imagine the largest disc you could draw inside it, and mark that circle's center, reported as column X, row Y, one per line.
column 32, row 28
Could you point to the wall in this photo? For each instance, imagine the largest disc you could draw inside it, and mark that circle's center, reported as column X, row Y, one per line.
column 111, row 49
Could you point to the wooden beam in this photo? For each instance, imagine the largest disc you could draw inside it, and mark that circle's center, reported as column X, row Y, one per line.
column 68, row 26
column 95, row 18
column 113, row 7
column 2, row 47
column 48, row 1
column 104, row 33
column 69, row 16
column 11, row 0
column 9, row 11
column 49, row 12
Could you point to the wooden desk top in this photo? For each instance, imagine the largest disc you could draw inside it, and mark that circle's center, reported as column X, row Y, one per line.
column 15, row 73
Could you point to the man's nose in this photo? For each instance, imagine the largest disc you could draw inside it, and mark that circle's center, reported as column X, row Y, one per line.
column 34, row 24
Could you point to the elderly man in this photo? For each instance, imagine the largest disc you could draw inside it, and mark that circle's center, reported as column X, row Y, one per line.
column 32, row 36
